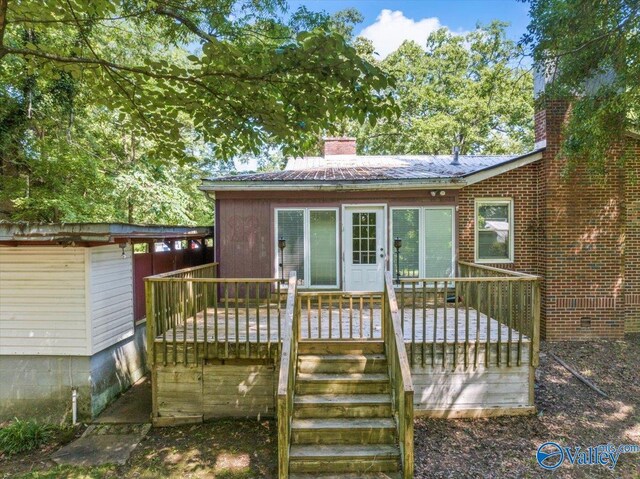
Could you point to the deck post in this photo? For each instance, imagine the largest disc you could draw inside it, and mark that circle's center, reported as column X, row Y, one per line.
column 151, row 350
column 535, row 335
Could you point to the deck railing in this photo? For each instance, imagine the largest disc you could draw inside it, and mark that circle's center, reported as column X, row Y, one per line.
column 192, row 315
column 399, row 375
column 287, row 377
column 337, row 315
column 481, row 306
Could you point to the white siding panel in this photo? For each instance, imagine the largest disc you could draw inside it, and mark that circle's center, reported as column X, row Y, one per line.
column 111, row 296
column 42, row 301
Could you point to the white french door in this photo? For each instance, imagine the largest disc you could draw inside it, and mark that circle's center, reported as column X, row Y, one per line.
column 364, row 244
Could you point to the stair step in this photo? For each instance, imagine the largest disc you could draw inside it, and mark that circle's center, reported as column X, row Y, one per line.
column 325, row 346
column 342, row 405
column 342, row 363
column 344, row 458
column 343, row 431
column 348, row 383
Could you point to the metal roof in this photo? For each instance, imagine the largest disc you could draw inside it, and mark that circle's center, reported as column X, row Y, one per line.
column 94, row 232
column 342, row 170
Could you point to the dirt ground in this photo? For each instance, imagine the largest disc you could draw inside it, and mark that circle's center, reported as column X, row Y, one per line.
column 569, row 413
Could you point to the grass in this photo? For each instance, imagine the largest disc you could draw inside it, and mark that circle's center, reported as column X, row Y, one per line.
column 24, row 435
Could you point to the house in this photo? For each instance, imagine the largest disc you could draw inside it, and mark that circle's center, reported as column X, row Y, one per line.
column 352, row 293
column 72, row 310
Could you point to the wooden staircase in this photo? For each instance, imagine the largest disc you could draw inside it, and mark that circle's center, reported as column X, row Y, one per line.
column 343, row 424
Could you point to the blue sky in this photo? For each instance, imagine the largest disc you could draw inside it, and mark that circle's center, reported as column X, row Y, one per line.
column 389, row 22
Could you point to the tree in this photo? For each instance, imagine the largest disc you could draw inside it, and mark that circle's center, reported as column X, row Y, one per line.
column 457, row 90
column 111, row 110
column 589, row 51
column 249, row 78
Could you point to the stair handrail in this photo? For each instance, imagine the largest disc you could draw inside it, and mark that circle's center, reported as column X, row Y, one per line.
column 399, row 376
column 287, row 376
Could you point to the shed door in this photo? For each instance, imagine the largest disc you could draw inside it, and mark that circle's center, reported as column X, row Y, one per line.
column 364, row 243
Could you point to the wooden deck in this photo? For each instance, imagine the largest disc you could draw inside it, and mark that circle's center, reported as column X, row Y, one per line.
column 221, row 347
column 260, row 325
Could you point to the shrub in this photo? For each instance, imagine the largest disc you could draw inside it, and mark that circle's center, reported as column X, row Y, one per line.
column 20, row 436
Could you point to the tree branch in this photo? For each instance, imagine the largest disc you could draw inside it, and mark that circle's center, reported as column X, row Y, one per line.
column 191, row 26
column 3, row 26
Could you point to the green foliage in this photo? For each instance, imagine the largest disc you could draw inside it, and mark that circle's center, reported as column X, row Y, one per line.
column 589, row 52
column 24, row 435
column 466, row 90
column 113, row 111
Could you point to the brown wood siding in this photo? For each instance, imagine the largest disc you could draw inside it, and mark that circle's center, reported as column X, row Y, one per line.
column 245, row 238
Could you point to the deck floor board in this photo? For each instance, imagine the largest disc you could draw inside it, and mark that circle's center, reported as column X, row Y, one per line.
column 255, row 327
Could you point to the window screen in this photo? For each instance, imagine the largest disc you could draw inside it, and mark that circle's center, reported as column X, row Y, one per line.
column 405, row 224
column 291, row 228
column 323, row 248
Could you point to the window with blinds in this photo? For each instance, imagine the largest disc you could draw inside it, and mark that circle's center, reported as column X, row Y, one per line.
column 406, row 226
column 311, row 245
column 323, row 247
column 291, row 229
column 438, row 242
column 428, row 242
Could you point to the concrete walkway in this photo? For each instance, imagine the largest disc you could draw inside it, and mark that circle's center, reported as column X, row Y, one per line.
column 133, row 407
column 115, row 433
column 102, row 444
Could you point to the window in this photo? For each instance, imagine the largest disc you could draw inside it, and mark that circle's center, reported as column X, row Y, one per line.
column 494, row 230
column 438, row 236
column 406, row 226
column 291, row 229
column 311, row 250
column 323, row 248
column 427, row 236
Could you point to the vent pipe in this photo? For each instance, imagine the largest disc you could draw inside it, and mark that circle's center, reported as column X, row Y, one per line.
column 456, row 156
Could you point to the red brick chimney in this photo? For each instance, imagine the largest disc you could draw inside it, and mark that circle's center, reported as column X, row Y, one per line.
column 338, row 146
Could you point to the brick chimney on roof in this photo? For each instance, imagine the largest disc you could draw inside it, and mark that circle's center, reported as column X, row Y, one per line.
column 339, row 146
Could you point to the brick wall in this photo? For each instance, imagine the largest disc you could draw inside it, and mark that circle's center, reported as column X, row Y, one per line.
column 582, row 247
column 521, row 185
column 632, row 241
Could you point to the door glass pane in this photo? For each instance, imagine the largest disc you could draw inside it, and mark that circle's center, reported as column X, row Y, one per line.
column 291, row 228
column 439, row 242
column 364, row 238
column 406, row 227
column 323, row 248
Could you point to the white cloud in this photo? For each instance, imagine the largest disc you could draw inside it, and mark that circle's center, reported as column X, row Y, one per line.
column 391, row 28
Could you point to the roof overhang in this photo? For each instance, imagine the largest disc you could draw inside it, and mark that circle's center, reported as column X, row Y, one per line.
column 94, row 232
column 490, row 172
column 211, row 186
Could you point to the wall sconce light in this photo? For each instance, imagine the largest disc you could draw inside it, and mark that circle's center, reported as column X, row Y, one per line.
column 442, row 192
column 433, row 193
column 397, row 244
column 282, row 244
column 123, row 247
